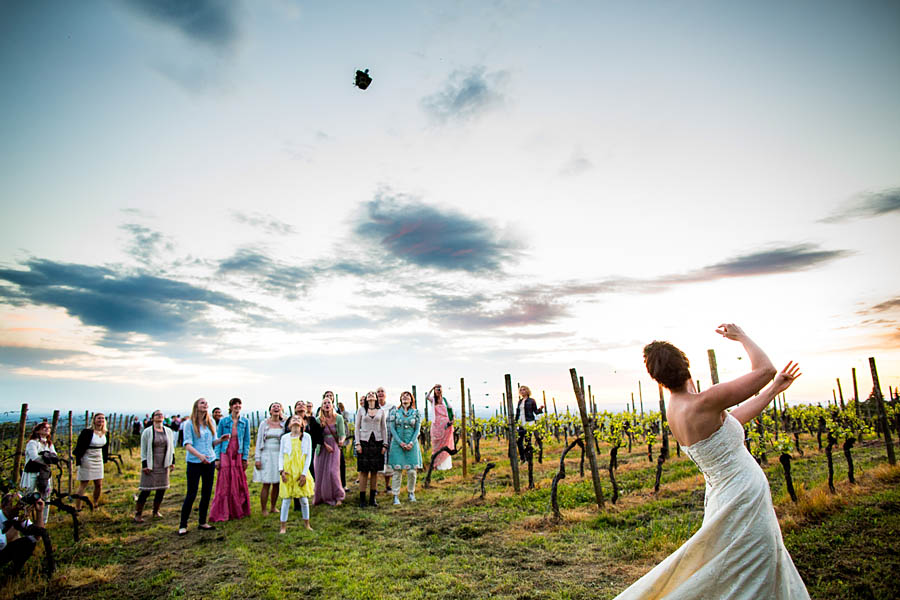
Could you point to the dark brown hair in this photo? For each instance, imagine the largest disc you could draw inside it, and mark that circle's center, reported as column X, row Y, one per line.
column 667, row 364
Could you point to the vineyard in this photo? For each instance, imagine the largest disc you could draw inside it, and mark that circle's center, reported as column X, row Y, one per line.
column 543, row 528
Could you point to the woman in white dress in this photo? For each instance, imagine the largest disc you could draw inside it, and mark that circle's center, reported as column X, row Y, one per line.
column 39, row 441
column 738, row 552
column 91, row 452
column 268, row 443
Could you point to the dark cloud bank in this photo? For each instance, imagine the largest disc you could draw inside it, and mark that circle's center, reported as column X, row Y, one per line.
column 870, row 204
column 425, row 236
column 118, row 302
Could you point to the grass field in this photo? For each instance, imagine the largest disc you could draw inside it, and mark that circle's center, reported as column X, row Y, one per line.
column 452, row 544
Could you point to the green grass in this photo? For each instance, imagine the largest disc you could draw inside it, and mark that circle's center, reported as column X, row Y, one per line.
column 451, row 544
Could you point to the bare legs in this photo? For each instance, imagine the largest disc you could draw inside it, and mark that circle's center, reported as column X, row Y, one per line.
column 264, row 497
column 82, row 487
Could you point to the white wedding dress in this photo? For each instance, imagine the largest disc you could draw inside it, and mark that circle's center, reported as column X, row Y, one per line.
column 738, row 552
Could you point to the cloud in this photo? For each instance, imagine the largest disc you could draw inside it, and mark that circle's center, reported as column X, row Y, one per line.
column 425, row 236
column 477, row 311
column 118, row 302
column 145, row 243
column 210, row 22
column 466, row 95
column 267, row 223
column 23, row 356
column 579, row 163
column 787, row 259
column 887, row 305
column 776, row 261
column 868, row 204
column 286, row 280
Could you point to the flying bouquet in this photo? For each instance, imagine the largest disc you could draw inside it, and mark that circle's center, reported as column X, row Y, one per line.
column 362, row 79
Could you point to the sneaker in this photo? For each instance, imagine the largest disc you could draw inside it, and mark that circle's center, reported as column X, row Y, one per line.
column 396, row 499
column 412, row 497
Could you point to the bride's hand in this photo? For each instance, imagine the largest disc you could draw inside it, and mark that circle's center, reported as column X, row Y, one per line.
column 787, row 376
column 730, row 331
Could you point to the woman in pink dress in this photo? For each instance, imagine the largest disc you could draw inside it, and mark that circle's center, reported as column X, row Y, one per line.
column 328, row 460
column 441, row 428
column 232, row 499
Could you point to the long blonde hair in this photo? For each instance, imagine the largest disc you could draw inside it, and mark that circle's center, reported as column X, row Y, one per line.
column 94, row 420
column 195, row 418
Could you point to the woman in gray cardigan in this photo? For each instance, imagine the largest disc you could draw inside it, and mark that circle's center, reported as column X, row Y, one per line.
column 157, row 461
column 371, row 445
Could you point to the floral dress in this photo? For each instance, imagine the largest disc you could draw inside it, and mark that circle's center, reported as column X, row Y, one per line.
column 405, row 429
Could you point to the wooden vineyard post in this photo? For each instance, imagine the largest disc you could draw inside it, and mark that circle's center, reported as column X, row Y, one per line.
column 882, row 417
column 462, row 404
column 855, row 393
column 664, row 451
column 641, row 398
column 53, row 423
column 590, row 399
column 20, row 443
column 70, row 452
column 584, row 393
column 588, row 437
column 415, row 400
column 840, row 392
column 545, row 401
column 86, row 422
column 713, row 366
column 511, row 441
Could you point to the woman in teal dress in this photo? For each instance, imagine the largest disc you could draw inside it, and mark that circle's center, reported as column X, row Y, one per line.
column 405, row 454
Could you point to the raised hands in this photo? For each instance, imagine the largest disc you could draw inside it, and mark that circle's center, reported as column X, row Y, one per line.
column 786, row 377
column 731, row 331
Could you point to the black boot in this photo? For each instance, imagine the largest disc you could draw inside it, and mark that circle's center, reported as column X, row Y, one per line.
column 372, row 498
column 362, row 499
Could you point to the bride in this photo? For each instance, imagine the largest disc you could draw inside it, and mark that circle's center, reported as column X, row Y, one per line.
column 738, row 552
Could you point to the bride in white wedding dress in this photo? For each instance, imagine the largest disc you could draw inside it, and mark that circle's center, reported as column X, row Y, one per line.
column 738, row 552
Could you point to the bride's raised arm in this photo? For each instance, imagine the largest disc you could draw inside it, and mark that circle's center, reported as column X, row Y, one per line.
column 727, row 394
column 750, row 410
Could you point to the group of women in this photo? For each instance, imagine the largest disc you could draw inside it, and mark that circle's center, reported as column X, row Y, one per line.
column 297, row 458
column 91, row 452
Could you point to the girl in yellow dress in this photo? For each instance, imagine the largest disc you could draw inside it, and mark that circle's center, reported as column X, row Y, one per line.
column 293, row 463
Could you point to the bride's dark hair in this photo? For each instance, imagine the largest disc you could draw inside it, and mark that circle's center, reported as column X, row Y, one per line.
column 667, row 364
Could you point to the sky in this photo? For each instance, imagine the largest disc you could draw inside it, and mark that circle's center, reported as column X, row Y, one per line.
column 197, row 201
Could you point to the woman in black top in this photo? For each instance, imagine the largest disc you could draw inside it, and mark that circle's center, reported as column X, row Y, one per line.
column 91, row 453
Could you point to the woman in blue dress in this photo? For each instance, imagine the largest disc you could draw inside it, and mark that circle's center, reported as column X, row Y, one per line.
column 405, row 454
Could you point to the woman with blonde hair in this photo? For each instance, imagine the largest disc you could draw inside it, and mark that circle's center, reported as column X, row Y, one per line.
column 199, row 442
column 327, row 462
column 91, row 453
column 526, row 412
column 268, row 443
